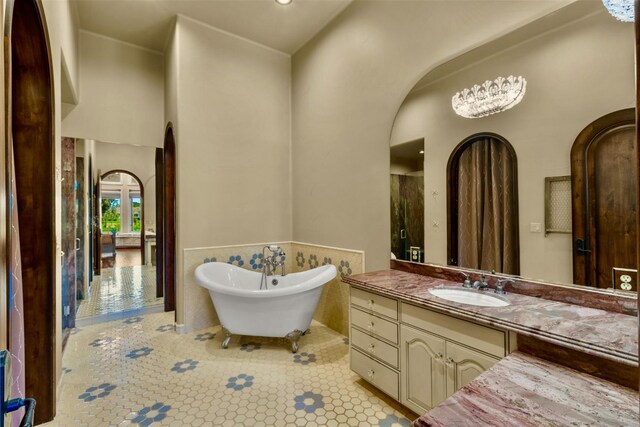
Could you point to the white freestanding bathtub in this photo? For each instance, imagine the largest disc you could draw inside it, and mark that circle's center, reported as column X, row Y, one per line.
column 285, row 309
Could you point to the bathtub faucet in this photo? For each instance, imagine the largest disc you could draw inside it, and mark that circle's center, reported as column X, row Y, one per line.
column 271, row 263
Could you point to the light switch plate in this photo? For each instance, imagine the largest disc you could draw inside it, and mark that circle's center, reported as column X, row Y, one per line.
column 535, row 227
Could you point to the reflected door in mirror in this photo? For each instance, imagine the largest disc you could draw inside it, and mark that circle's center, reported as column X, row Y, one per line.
column 604, row 181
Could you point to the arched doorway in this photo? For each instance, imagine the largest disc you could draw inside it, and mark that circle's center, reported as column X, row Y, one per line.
column 604, row 212
column 131, row 204
column 30, row 161
column 169, row 218
column 482, row 203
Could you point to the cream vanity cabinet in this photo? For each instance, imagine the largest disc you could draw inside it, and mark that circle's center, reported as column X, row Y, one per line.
column 416, row 355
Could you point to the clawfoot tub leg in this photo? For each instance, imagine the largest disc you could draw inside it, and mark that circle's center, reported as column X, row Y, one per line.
column 227, row 337
column 294, row 337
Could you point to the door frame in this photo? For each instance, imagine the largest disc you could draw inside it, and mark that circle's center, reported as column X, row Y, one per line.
column 32, row 90
column 169, row 218
column 582, row 225
column 159, row 180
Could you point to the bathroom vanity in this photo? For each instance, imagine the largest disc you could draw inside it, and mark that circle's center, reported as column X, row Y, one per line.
column 420, row 350
column 440, row 353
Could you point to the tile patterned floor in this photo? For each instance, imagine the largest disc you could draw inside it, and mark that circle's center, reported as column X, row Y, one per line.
column 121, row 288
column 126, row 257
column 139, row 372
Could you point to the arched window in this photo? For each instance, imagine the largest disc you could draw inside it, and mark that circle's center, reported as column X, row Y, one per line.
column 482, row 201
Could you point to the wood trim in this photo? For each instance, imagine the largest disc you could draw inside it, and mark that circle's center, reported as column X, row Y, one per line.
column 97, row 235
column 169, row 218
column 30, row 106
column 142, row 245
column 452, row 193
column 159, row 222
column 583, row 224
column 637, row 117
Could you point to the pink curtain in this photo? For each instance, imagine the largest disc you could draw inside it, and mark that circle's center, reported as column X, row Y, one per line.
column 16, row 312
column 487, row 222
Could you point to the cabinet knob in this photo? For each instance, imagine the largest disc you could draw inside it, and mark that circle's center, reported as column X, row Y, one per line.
column 371, row 302
column 371, row 373
column 450, row 361
column 438, row 356
column 371, row 325
column 371, row 348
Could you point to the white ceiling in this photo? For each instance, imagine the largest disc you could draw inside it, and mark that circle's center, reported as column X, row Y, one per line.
column 147, row 22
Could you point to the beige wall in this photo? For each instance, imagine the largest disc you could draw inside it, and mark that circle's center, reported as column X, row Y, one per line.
column 348, row 84
column 233, row 140
column 140, row 161
column 575, row 75
column 171, row 116
column 121, row 93
column 62, row 26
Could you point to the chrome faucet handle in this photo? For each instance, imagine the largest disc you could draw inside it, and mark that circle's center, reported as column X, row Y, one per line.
column 501, row 285
column 467, row 280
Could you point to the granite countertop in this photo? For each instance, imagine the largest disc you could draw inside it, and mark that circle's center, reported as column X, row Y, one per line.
column 522, row 390
column 598, row 332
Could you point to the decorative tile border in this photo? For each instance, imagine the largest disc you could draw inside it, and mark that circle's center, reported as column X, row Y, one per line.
column 333, row 307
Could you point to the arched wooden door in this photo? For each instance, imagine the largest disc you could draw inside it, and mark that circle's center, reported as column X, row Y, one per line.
column 30, row 142
column 604, row 184
column 169, row 219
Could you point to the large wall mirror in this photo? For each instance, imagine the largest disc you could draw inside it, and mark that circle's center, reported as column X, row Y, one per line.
column 571, row 144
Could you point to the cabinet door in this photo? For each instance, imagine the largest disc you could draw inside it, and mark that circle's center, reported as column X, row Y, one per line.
column 463, row 365
column 423, row 383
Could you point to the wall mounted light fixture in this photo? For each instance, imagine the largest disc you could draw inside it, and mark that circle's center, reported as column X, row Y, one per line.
column 490, row 97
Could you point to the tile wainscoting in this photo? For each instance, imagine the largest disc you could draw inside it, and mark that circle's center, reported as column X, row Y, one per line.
column 333, row 307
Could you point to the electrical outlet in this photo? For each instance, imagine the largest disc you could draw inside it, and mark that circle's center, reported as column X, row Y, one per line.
column 535, row 227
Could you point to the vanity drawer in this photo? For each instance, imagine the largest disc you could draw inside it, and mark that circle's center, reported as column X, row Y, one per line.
column 483, row 338
column 386, row 379
column 375, row 303
column 375, row 325
column 374, row 347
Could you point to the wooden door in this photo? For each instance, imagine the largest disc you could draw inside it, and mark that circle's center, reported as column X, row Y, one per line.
column 90, row 214
column 31, row 111
column 169, row 220
column 423, row 376
column 97, row 221
column 463, row 365
column 604, row 183
column 159, row 222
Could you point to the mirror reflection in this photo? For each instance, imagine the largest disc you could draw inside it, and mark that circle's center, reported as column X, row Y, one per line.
column 546, row 189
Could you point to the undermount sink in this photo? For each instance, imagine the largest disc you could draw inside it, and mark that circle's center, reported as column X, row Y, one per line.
column 470, row 296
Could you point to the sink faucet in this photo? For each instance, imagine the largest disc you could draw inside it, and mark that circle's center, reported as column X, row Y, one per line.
column 481, row 285
column 500, row 286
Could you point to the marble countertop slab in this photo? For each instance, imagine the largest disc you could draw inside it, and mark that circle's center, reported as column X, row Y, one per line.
column 613, row 336
column 523, row 391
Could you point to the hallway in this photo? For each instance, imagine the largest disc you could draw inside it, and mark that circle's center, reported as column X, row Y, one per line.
column 137, row 371
column 121, row 288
